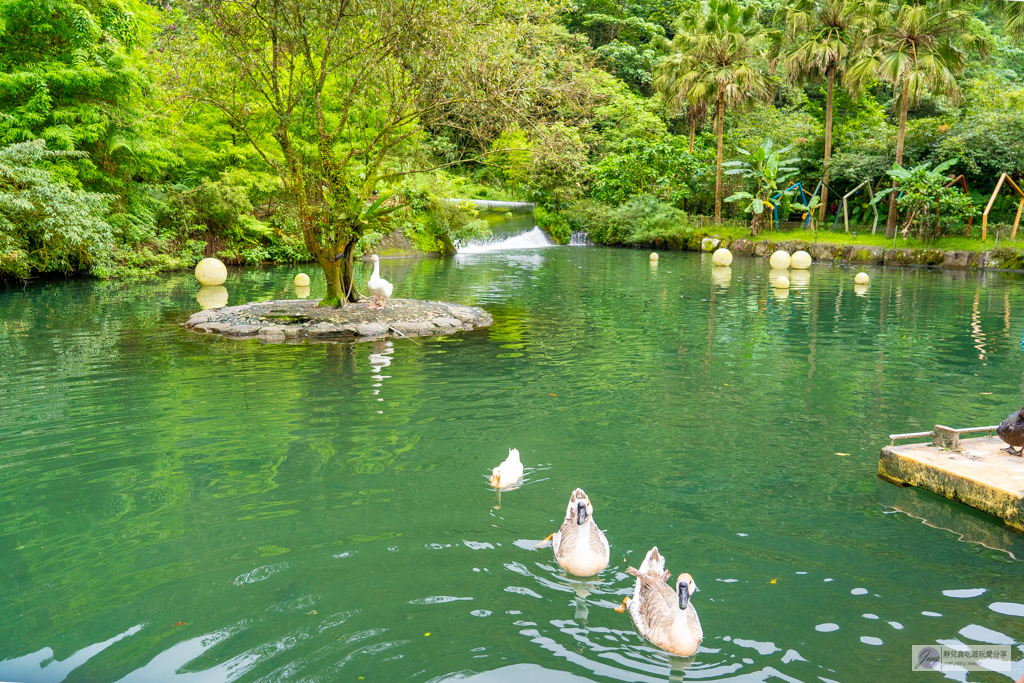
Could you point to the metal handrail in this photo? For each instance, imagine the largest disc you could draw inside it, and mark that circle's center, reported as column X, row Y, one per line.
column 919, row 435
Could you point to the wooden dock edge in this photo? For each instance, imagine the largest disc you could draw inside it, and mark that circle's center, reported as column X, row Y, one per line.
column 903, row 471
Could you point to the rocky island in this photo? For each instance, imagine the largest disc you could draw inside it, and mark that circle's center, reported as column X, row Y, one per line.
column 295, row 320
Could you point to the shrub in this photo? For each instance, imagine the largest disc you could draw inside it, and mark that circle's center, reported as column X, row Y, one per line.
column 46, row 225
column 555, row 223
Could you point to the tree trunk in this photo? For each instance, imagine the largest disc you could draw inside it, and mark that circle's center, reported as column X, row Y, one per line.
column 890, row 226
column 340, row 274
column 828, row 141
column 348, row 272
column 335, row 292
column 719, row 124
column 693, row 132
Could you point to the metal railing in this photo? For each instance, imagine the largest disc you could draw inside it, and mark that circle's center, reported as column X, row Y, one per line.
column 943, row 436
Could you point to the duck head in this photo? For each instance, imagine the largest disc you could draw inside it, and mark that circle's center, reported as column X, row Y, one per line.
column 685, row 587
column 579, row 508
column 373, row 257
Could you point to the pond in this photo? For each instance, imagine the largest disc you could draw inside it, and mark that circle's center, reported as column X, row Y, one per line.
column 177, row 507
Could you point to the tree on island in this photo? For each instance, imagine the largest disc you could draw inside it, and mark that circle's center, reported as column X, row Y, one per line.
column 331, row 92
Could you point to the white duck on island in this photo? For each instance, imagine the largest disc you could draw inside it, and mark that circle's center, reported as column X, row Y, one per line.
column 380, row 289
column 509, row 472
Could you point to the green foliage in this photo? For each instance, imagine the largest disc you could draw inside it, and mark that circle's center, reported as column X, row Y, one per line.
column 988, row 136
column 45, row 224
column 555, row 223
column 450, row 225
column 549, row 164
column 662, row 167
column 769, row 175
column 926, row 200
column 630, row 63
column 68, row 75
column 641, row 220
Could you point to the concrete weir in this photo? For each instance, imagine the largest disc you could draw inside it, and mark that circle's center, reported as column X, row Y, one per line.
column 975, row 472
column 294, row 321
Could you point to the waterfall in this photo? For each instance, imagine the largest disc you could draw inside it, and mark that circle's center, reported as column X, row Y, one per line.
column 492, row 205
column 530, row 239
column 580, row 239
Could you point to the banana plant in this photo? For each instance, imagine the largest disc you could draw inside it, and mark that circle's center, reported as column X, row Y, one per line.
column 925, row 199
column 769, row 173
column 810, row 210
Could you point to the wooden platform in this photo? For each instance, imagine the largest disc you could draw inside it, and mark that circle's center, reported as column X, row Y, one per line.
column 978, row 474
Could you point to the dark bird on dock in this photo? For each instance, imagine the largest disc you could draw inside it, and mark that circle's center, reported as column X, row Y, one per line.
column 1011, row 430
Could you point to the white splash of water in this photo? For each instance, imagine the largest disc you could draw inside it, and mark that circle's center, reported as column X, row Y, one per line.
column 531, row 239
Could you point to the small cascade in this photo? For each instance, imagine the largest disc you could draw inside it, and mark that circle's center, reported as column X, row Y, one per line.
column 531, row 239
column 580, row 239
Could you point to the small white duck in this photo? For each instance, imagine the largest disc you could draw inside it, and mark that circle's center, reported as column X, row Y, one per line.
column 661, row 615
column 580, row 547
column 509, row 472
column 380, row 289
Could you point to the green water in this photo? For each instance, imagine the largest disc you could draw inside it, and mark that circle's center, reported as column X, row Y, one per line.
column 176, row 507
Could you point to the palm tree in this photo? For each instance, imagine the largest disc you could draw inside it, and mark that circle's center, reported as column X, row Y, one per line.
column 819, row 36
column 919, row 49
column 1014, row 27
column 713, row 66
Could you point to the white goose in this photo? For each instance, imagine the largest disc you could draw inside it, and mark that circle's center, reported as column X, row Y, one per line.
column 664, row 616
column 509, row 472
column 379, row 288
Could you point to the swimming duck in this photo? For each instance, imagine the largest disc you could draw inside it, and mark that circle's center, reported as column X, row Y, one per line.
column 1011, row 430
column 661, row 615
column 509, row 472
column 580, row 547
column 379, row 288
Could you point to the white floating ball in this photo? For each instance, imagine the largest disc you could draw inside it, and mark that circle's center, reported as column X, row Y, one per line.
column 302, row 280
column 654, row 256
column 801, row 260
column 212, row 296
column 862, row 279
column 722, row 257
column 782, row 282
column 210, row 271
column 301, row 292
column 780, row 259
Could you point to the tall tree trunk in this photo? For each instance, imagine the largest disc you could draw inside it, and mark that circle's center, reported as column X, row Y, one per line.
column 340, row 274
column 335, row 292
column 828, row 141
column 693, row 132
column 890, row 226
column 719, row 124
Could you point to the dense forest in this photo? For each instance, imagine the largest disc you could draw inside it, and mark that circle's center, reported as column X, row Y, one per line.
column 139, row 137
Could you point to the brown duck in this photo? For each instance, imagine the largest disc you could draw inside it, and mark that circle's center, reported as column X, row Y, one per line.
column 1011, row 430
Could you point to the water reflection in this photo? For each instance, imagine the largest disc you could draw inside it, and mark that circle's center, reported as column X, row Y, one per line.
column 224, row 496
column 212, row 296
column 721, row 275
